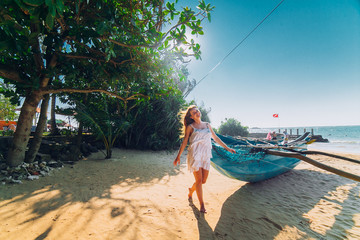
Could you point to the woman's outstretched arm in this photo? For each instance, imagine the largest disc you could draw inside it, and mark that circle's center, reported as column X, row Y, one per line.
column 219, row 141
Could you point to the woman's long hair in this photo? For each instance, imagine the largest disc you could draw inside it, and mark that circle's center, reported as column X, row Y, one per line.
column 187, row 119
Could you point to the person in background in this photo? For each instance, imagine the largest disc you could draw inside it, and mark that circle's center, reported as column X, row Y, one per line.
column 269, row 136
column 286, row 137
column 199, row 134
column 273, row 135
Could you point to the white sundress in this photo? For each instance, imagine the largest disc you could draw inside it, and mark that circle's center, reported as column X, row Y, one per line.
column 199, row 150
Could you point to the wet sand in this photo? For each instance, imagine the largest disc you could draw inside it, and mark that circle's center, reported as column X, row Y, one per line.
column 140, row 195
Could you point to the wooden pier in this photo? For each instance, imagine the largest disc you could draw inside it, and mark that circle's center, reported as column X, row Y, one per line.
column 292, row 133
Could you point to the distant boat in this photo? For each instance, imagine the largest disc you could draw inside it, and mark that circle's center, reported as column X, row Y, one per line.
column 252, row 162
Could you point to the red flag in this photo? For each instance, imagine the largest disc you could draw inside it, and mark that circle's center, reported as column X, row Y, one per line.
column 275, row 115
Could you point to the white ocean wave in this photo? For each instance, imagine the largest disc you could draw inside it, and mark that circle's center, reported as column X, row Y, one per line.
column 351, row 142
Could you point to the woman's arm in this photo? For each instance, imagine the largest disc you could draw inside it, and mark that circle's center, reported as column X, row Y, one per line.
column 188, row 132
column 219, row 141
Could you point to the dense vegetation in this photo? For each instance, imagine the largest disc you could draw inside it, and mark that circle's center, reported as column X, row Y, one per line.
column 232, row 127
column 119, row 65
column 7, row 109
column 132, row 51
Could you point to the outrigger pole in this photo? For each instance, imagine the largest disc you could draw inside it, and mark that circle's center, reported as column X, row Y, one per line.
column 318, row 164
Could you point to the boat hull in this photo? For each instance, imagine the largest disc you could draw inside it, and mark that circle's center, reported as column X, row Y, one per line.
column 250, row 163
column 254, row 170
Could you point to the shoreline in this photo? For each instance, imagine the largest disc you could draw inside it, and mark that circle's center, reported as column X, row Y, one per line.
column 335, row 148
column 140, row 195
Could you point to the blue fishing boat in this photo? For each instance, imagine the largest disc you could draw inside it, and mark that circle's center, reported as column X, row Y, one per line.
column 252, row 162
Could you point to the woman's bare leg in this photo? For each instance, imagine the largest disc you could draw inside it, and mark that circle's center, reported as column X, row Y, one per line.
column 205, row 174
column 198, row 186
column 191, row 191
column 193, row 187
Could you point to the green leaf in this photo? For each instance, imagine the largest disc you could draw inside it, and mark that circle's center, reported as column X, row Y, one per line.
column 49, row 3
column 168, row 5
column 24, row 6
column 34, row 3
column 202, row 5
column 60, row 6
column 50, row 21
column 52, row 10
column 101, row 28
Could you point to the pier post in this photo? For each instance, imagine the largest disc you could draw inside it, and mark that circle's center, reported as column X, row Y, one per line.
column 297, row 131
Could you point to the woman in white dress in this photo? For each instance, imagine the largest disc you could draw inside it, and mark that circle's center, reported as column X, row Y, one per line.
column 199, row 151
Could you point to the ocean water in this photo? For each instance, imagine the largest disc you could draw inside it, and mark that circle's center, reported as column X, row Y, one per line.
column 342, row 139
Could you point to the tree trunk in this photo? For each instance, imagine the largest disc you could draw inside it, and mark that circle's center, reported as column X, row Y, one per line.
column 79, row 137
column 54, row 129
column 36, row 142
column 16, row 154
column 108, row 153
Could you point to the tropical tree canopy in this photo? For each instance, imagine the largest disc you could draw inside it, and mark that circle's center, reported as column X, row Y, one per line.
column 127, row 49
column 112, row 46
column 232, row 127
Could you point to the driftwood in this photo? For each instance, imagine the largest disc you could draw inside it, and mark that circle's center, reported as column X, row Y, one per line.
column 316, row 163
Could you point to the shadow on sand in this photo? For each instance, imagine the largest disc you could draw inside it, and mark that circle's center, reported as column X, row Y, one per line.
column 283, row 206
column 67, row 187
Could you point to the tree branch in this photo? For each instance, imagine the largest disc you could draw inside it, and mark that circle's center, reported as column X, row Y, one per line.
column 10, row 74
column 95, row 59
column 130, row 46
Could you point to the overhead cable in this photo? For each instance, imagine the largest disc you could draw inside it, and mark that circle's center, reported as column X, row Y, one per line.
column 222, row 60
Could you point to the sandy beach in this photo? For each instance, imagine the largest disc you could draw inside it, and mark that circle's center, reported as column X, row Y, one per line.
column 140, row 195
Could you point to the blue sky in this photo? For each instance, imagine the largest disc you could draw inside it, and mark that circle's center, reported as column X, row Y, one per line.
column 303, row 63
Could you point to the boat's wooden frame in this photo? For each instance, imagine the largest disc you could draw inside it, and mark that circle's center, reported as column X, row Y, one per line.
column 254, row 162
